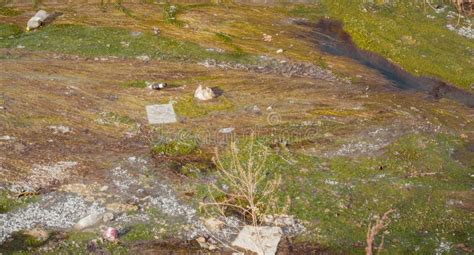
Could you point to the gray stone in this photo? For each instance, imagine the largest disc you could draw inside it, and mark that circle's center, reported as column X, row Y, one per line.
column 261, row 240
column 160, row 114
column 88, row 221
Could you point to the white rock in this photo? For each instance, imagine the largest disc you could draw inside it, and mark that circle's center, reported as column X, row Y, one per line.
column 226, row 130
column 261, row 240
column 144, row 58
column 42, row 15
column 37, row 20
column 279, row 51
column 88, row 221
column 7, row 138
column 204, row 93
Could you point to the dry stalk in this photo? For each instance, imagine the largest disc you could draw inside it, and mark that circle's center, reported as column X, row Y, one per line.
column 249, row 190
column 372, row 232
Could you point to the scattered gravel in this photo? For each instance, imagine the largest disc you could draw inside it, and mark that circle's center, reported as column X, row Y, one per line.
column 43, row 175
column 274, row 66
column 55, row 210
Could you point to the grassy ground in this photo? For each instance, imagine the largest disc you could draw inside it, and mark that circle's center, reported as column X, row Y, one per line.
column 424, row 175
column 419, row 175
column 403, row 33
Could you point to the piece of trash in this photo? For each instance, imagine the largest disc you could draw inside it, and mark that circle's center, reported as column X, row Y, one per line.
column 156, row 31
column 267, row 38
column 160, row 114
column 158, row 86
column 226, row 130
column 37, row 20
column 204, row 93
column 279, row 51
column 111, row 234
column 261, row 240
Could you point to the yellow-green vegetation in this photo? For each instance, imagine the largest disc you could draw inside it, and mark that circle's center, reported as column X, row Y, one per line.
column 8, row 30
column 135, row 84
column 189, row 107
column 176, row 148
column 6, row 11
column 20, row 243
column 103, row 41
column 9, row 201
column 401, row 32
column 419, row 175
column 170, row 13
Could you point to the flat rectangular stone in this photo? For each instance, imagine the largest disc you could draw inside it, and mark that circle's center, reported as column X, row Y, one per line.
column 160, row 114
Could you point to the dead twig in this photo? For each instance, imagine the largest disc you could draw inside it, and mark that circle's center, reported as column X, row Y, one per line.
column 372, row 232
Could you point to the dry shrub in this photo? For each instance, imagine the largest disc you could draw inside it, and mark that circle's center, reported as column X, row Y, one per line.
column 372, row 232
column 245, row 184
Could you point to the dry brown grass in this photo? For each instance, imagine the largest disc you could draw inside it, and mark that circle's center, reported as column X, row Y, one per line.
column 373, row 230
column 249, row 192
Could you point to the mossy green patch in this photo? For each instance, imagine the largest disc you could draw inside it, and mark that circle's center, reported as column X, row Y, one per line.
column 7, row 30
column 102, row 41
column 20, row 243
column 176, row 148
column 9, row 201
column 338, row 197
column 401, row 32
column 190, row 107
column 135, row 84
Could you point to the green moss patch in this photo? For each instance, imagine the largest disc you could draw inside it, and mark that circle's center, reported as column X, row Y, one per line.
column 135, row 84
column 9, row 201
column 190, row 107
column 103, row 41
column 8, row 30
column 402, row 33
column 175, row 148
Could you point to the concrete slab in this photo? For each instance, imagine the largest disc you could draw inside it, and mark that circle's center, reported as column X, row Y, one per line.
column 161, row 114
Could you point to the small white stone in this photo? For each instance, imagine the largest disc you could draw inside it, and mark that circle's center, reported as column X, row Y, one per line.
column 204, row 93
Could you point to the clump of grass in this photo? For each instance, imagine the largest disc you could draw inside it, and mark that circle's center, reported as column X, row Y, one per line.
column 9, row 201
column 177, row 148
column 246, row 185
column 224, row 37
column 135, row 84
column 170, row 14
column 140, row 232
column 189, row 107
column 9, row 12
